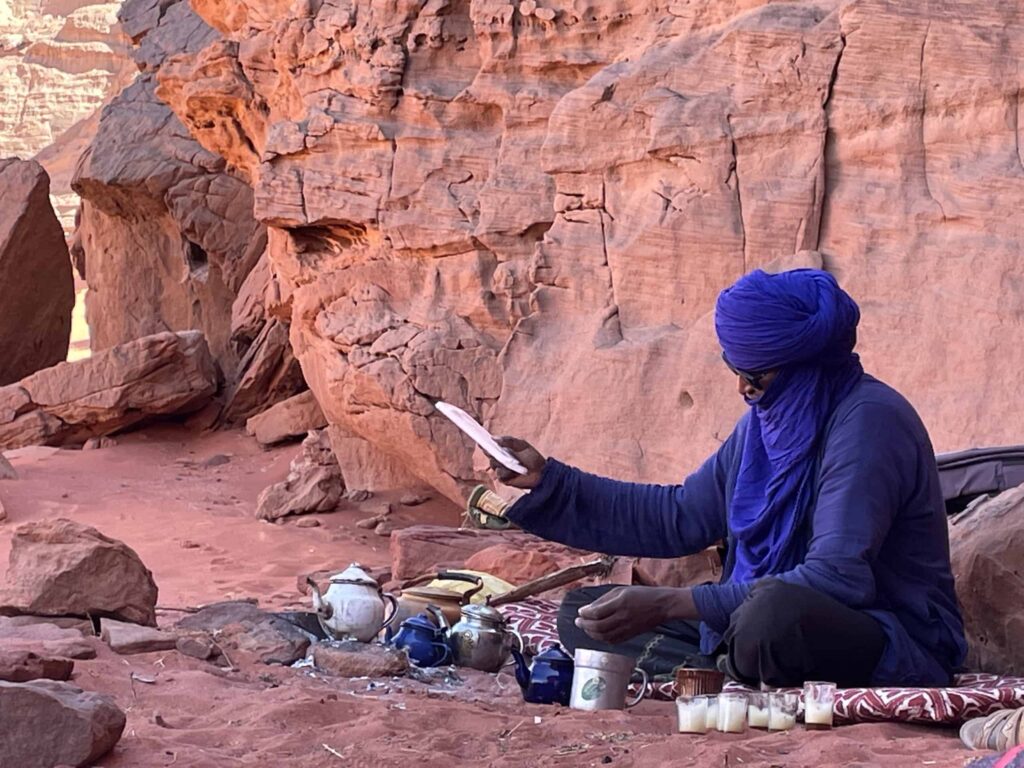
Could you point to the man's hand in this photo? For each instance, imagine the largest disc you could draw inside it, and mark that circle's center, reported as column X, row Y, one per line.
column 630, row 611
column 527, row 455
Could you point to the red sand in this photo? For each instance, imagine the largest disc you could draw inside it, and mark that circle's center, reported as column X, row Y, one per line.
column 196, row 529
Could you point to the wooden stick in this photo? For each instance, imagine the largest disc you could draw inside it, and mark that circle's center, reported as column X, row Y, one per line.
column 552, row 580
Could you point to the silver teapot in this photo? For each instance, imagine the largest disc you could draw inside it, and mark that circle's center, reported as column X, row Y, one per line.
column 481, row 640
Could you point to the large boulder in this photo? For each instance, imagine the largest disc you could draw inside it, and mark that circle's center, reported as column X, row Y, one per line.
column 163, row 374
column 64, row 568
column 37, row 290
column 987, row 550
column 287, row 420
column 45, row 723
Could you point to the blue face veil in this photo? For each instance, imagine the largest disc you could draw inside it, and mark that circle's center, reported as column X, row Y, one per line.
column 805, row 326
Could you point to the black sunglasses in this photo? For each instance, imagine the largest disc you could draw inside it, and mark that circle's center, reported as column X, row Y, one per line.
column 753, row 378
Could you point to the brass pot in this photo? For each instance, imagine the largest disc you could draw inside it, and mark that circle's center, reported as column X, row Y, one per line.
column 415, row 599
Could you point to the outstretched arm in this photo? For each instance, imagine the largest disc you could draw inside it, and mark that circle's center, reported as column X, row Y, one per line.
column 595, row 513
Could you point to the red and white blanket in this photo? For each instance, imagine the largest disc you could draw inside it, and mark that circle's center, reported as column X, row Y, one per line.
column 972, row 695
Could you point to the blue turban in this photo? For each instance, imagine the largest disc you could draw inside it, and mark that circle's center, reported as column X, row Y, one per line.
column 803, row 324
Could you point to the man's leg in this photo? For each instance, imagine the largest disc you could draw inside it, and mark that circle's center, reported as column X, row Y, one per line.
column 785, row 634
column 670, row 645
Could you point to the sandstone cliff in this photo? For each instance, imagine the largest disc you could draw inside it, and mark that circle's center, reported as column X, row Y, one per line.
column 527, row 209
column 59, row 61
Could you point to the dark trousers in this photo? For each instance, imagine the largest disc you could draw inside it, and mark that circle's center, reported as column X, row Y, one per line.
column 782, row 635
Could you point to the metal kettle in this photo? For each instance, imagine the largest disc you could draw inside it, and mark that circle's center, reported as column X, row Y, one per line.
column 481, row 640
column 549, row 680
column 353, row 606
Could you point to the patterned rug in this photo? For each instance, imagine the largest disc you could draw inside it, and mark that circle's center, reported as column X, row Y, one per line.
column 972, row 695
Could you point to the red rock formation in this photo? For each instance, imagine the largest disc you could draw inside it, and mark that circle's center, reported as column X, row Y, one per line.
column 528, row 209
column 36, row 286
column 167, row 239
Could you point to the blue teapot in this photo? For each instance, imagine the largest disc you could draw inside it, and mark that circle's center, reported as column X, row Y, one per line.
column 549, row 680
column 425, row 640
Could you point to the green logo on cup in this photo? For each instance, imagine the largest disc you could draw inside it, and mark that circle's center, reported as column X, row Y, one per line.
column 593, row 688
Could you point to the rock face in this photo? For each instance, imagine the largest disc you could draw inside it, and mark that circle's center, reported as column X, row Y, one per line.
column 59, row 62
column 987, row 550
column 528, row 209
column 47, row 723
column 314, row 483
column 36, row 287
column 63, row 568
column 167, row 238
column 168, row 373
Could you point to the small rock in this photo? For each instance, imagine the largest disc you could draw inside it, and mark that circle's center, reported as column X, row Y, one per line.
column 359, row 496
column 307, row 522
column 216, row 460
column 189, row 544
column 125, row 638
column 46, row 639
column 384, row 528
column 350, row 658
column 271, row 641
column 219, row 615
column 95, row 443
column 527, row 7
column 88, row 724
column 20, row 666
column 368, row 523
column 314, row 483
column 7, row 472
column 199, row 647
column 545, row 14
column 414, row 498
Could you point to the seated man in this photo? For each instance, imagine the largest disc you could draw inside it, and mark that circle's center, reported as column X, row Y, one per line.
column 826, row 494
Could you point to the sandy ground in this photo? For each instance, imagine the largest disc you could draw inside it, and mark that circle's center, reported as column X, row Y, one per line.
column 195, row 529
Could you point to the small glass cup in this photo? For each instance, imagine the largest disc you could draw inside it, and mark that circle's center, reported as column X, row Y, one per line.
column 693, row 714
column 732, row 712
column 819, row 699
column 712, row 716
column 757, row 710
column 782, row 710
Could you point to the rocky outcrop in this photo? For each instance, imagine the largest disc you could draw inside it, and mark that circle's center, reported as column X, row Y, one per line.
column 36, row 287
column 47, row 723
column 528, row 209
column 314, row 483
column 63, row 568
column 166, row 238
column 987, row 551
column 164, row 374
column 58, row 65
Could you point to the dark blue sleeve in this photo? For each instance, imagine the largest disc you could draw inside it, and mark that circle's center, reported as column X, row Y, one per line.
column 867, row 461
column 632, row 519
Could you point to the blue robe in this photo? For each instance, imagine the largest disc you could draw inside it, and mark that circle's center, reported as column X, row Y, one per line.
column 877, row 539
